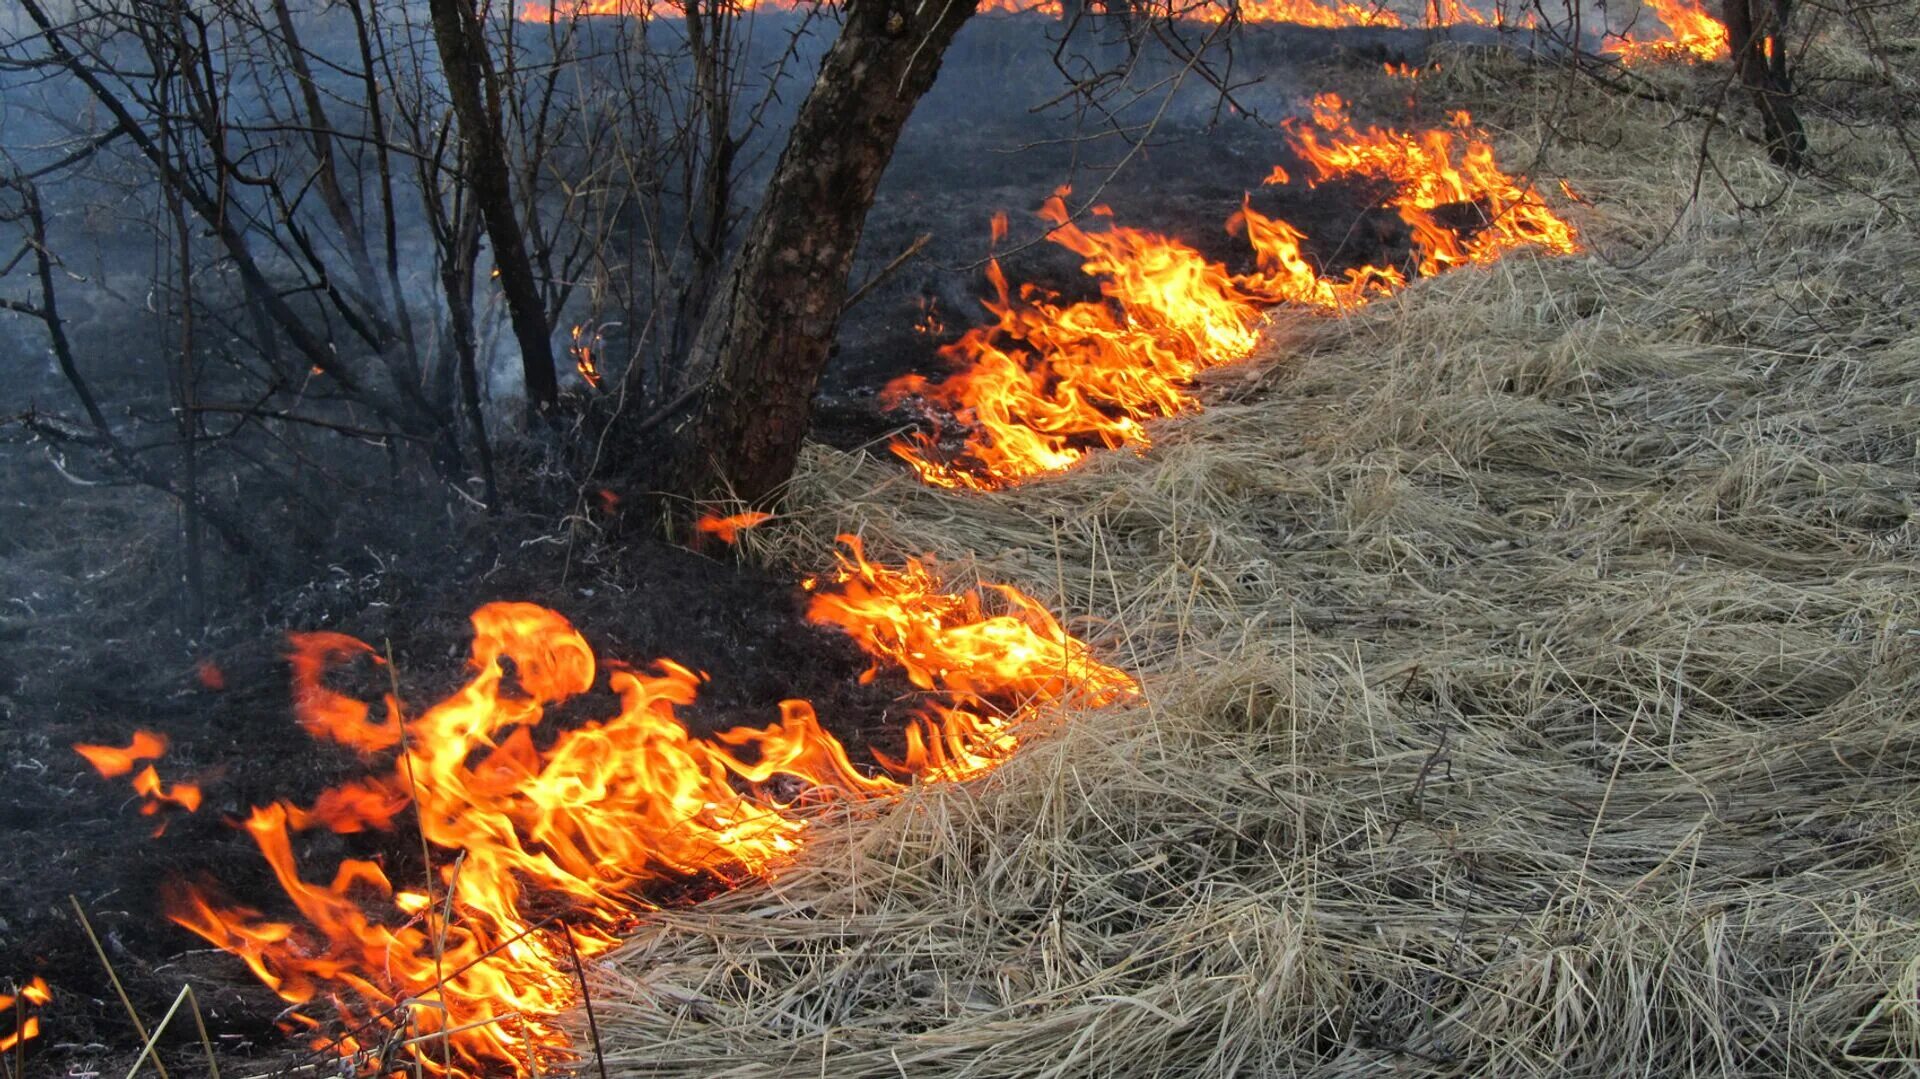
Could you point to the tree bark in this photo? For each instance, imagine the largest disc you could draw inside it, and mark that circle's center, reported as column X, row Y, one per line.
column 1760, row 58
column 769, row 330
column 471, row 83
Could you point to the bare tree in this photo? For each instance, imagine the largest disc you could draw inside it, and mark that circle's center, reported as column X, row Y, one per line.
column 1756, row 38
column 768, row 334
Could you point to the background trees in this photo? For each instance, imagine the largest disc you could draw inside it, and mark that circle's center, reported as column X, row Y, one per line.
column 449, row 255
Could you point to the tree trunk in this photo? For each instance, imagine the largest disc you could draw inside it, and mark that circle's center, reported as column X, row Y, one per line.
column 1754, row 36
column 471, row 85
column 770, row 328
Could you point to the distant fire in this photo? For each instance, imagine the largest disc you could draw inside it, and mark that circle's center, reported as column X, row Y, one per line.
column 1691, row 34
column 584, row 350
column 543, row 838
column 1689, row 31
column 1044, row 383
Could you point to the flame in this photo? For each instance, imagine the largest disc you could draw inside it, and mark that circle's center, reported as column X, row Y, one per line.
column 1691, row 34
column 541, row 11
column 582, row 350
column 571, row 816
column 1431, row 170
column 1304, row 13
column 1045, row 383
column 148, row 785
column 930, row 323
column 114, row 761
column 210, row 675
column 26, row 1026
column 727, row 529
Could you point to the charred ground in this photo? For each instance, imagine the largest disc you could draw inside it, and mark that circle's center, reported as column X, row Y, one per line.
column 94, row 641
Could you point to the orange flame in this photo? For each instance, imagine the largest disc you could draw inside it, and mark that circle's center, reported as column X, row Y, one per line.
column 1691, row 34
column 1430, row 170
column 113, row 761
column 582, row 349
column 1045, row 383
column 930, row 324
column 1690, row 31
column 148, row 785
column 26, row 1026
column 575, row 820
column 727, row 529
column 540, row 11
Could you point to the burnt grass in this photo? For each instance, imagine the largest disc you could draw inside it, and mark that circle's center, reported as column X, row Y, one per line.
column 92, row 641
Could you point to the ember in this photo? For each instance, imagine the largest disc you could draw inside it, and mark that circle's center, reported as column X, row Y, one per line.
column 463, row 974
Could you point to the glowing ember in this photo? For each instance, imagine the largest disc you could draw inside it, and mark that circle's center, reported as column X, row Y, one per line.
column 575, row 821
column 727, row 529
column 1045, row 383
column 26, row 1025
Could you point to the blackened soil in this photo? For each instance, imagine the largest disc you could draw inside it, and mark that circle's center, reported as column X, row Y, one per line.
column 68, row 832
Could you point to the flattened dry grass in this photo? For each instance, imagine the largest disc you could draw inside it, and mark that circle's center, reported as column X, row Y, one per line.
column 1532, row 667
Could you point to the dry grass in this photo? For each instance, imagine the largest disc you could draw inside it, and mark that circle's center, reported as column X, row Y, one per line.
column 1533, row 665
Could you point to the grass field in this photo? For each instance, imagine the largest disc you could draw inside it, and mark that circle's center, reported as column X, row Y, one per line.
column 1531, row 663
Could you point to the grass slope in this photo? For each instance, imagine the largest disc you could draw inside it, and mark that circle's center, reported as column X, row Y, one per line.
column 1532, row 663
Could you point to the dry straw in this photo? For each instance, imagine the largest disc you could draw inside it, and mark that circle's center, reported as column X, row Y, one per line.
column 1531, row 664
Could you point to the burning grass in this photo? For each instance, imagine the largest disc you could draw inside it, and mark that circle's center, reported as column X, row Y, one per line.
column 1531, row 663
column 1035, row 389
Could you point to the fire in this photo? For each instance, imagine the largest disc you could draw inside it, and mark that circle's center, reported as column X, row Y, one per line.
column 1305, row 13
column 951, row 645
column 582, row 350
column 1692, row 34
column 727, row 529
column 556, row 830
column 540, row 11
column 148, row 785
column 26, row 1026
column 1045, row 383
column 114, row 761
column 930, row 324
column 1690, row 31
column 1431, row 170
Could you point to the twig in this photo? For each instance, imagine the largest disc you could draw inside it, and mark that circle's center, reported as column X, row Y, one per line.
column 114, row 977
column 886, row 272
column 586, row 998
column 200, row 1024
column 159, row 1029
column 426, row 850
